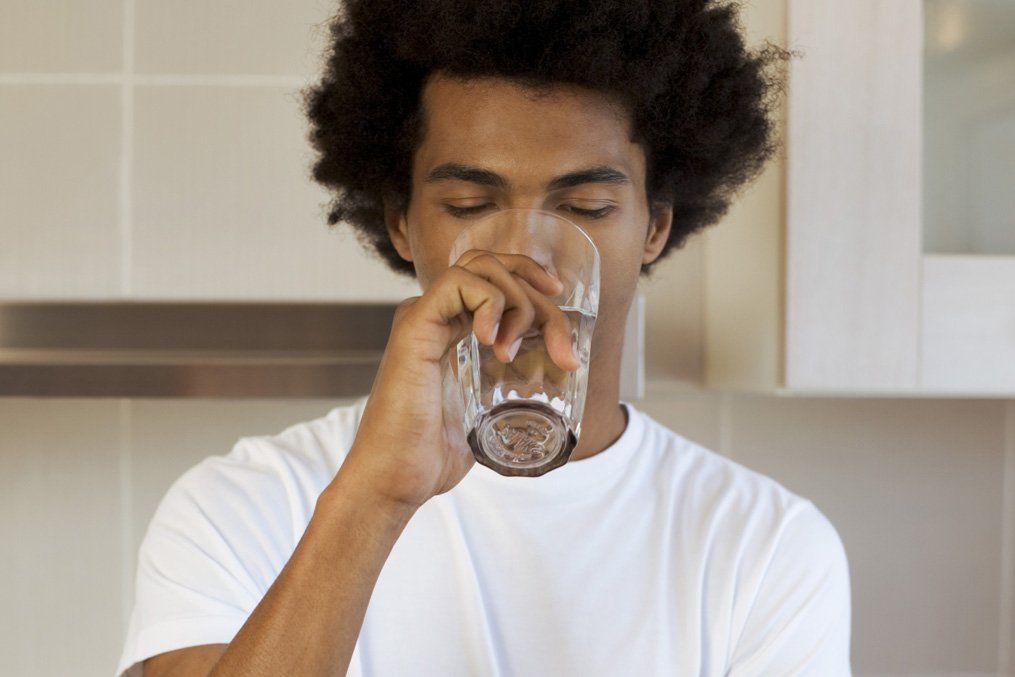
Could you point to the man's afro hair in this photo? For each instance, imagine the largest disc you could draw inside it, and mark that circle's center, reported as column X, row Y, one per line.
column 699, row 101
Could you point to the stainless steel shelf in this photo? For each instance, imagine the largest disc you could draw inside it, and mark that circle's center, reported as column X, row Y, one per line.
column 173, row 349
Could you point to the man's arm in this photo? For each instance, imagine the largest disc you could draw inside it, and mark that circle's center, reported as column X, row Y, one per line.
column 308, row 621
column 799, row 619
column 194, row 660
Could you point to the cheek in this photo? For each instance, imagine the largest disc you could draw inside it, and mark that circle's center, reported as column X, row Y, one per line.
column 430, row 247
column 620, row 266
column 620, row 259
column 429, row 266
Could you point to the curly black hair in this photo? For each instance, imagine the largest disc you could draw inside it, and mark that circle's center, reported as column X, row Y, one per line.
column 698, row 100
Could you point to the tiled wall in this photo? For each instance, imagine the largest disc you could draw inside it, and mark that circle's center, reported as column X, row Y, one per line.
column 155, row 150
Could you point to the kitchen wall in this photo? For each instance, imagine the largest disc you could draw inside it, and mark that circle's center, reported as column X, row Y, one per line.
column 148, row 148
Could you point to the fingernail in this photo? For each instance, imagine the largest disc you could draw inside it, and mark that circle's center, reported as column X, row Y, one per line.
column 493, row 334
column 513, row 350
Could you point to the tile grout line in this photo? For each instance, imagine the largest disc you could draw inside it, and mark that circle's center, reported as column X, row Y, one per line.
column 237, row 80
column 61, row 78
column 1007, row 597
column 126, row 167
column 126, row 515
column 128, row 77
column 126, row 149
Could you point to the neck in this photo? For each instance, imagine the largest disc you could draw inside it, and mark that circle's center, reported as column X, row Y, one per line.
column 603, row 420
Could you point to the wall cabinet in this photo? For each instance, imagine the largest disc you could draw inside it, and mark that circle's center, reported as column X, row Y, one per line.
column 892, row 269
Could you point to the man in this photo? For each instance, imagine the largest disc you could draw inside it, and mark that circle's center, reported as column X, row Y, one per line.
column 368, row 542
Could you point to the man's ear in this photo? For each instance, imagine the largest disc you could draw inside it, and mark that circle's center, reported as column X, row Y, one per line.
column 658, row 231
column 398, row 229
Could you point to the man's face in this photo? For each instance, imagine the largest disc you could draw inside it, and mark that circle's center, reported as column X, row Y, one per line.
column 497, row 126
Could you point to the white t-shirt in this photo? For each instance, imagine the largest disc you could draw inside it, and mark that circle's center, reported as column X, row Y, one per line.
column 656, row 556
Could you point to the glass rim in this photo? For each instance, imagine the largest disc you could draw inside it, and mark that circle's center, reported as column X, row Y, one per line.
column 592, row 245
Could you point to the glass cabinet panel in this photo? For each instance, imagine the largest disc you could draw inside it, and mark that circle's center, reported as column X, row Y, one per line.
column 969, row 127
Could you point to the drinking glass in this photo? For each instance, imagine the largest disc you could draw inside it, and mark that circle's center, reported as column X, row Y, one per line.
column 524, row 417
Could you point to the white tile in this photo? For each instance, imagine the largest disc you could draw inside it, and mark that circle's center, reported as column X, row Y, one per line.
column 230, row 36
column 914, row 487
column 57, row 36
column 224, row 206
column 61, row 529
column 59, row 183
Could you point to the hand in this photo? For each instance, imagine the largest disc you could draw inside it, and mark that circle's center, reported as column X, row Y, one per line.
column 410, row 445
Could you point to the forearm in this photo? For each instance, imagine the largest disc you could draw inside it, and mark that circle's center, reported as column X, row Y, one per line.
column 309, row 620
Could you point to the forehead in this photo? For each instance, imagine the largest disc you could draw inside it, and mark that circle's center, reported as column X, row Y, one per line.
column 503, row 125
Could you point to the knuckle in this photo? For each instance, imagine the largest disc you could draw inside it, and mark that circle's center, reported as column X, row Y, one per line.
column 498, row 300
column 524, row 315
column 530, row 262
column 528, row 311
column 403, row 307
column 456, row 274
column 494, row 300
column 471, row 257
column 486, row 259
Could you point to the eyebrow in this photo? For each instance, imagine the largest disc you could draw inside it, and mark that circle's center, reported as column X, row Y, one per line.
column 485, row 177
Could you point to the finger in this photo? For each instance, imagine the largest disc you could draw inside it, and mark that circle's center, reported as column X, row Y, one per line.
column 523, row 266
column 517, row 319
column 459, row 292
column 555, row 328
column 518, row 313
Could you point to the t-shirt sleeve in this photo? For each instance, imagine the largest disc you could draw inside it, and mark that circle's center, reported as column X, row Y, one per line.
column 799, row 620
column 217, row 541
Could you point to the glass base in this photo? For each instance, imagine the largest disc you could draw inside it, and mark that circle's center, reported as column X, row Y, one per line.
column 522, row 438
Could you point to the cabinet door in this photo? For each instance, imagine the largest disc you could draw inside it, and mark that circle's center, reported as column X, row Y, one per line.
column 968, row 332
column 968, row 337
column 853, row 222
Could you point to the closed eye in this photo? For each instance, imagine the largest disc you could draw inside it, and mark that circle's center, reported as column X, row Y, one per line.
column 590, row 213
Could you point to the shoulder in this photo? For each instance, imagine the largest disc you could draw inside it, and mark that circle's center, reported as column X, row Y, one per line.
column 709, row 483
column 741, row 513
column 793, row 612
column 299, row 459
column 265, row 483
column 777, row 556
column 224, row 530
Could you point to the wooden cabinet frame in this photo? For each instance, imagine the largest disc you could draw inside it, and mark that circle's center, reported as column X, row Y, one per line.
column 861, row 308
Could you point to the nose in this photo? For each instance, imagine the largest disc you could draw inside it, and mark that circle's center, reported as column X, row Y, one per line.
column 531, row 231
column 520, row 229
